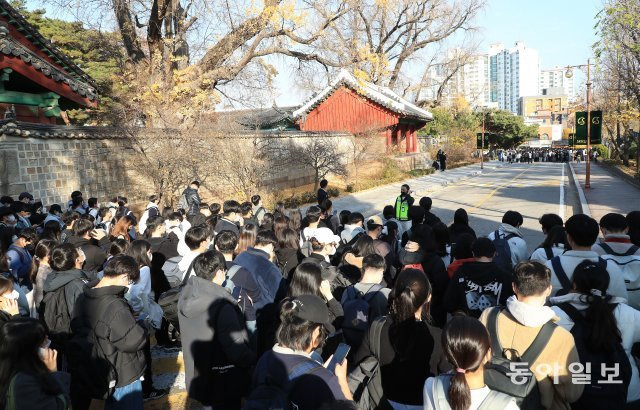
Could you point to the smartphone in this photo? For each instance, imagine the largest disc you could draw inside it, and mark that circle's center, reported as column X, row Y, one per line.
column 338, row 357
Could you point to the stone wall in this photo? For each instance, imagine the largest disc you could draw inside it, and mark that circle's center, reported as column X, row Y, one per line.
column 50, row 169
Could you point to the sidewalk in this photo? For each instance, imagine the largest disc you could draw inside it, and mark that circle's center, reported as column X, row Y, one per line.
column 608, row 193
column 371, row 202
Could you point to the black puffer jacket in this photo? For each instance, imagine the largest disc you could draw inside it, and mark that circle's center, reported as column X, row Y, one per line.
column 94, row 251
column 125, row 338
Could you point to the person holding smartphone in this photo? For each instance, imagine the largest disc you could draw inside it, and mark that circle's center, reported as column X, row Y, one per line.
column 304, row 324
column 29, row 377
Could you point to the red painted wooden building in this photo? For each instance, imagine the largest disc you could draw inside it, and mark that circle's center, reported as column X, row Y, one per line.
column 38, row 82
column 358, row 107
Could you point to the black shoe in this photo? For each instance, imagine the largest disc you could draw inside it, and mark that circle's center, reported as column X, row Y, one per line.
column 155, row 394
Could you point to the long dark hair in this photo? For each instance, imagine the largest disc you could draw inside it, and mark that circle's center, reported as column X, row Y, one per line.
column 363, row 246
column 592, row 281
column 465, row 341
column 288, row 239
column 20, row 340
column 556, row 236
column 42, row 250
column 442, row 238
column 633, row 219
column 411, row 291
column 138, row 250
column 51, row 231
column 460, row 217
column 305, row 280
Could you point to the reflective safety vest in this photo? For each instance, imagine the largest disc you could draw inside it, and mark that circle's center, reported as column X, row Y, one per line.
column 402, row 209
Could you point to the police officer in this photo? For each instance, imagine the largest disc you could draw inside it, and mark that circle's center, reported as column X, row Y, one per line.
column 403, row 203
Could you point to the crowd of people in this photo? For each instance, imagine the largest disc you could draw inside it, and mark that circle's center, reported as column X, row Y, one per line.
column 530, row 155
column 315, row 309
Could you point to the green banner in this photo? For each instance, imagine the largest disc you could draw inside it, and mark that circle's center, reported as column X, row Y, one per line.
column 479, row 140
column 581, row 128
column 571, row 139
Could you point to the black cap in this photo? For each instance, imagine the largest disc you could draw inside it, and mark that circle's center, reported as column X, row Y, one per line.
column 313, row 309
column 5, row 210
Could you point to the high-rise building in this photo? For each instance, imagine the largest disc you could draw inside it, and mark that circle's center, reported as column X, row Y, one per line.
column 555, row 77
column 470, row 81
column 514, row 73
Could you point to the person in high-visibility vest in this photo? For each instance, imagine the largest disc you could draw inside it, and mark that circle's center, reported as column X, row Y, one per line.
column 403, row 203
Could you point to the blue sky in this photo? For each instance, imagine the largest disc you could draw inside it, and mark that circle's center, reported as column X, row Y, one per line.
column 561, row 30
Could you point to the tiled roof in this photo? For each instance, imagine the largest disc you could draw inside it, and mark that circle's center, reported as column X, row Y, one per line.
column 260, row 117
column 381, row 95
column 46, row 131
column 72, row 75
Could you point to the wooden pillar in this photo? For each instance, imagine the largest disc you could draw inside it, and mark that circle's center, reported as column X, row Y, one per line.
column 415, row 139
column 388, row 135
column 407, row 137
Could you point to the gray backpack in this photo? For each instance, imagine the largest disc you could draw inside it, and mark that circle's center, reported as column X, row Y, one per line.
column 440, row 391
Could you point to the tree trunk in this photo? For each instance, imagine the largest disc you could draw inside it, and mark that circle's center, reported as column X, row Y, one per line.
column 127, row 28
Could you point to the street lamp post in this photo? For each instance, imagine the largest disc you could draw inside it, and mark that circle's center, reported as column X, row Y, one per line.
column 569, row 74
column 482, row 143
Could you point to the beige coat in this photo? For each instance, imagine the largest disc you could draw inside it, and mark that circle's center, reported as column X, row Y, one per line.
column 560, row 352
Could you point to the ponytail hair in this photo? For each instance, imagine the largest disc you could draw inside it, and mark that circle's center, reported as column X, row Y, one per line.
column 592, row 281
column 465, row 341
column 152, row 224
column 411, row 291
column 42, row 250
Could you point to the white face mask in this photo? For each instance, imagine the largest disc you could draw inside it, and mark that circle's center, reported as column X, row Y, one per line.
column 13, row 295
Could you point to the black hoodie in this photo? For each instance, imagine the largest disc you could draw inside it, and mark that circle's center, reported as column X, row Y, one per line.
column 477, row 286
column 214, row 335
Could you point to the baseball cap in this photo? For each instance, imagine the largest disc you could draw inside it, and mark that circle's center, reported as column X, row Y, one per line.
column 375, row 220
column 313, row 309
column 325, row 235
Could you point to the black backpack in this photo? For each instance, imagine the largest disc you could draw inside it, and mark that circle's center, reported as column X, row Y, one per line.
column 357, row 314
column 272, row 396
column 503, row 250
column 516, row 380
column 598, row 395
column 168, row 301
column 89, row 364
column 55, row 315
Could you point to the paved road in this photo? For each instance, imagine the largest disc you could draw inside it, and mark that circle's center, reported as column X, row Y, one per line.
column 533, row 190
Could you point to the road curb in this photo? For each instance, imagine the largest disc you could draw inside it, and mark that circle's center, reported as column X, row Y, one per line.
column 584, row 205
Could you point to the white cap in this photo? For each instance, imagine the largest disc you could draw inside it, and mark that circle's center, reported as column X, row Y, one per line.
column 325, row 235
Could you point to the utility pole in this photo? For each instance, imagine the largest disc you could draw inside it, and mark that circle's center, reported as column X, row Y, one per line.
column 587, row 182
column 482, row 143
